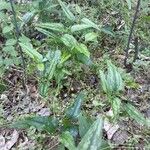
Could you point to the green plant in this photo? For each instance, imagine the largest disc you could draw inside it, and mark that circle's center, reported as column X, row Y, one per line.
column 112, row 84
column 69, row 127
column 91, row 140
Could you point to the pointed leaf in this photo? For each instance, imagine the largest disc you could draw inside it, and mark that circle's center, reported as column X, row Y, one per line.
column 40, row 66
column 116, row 104
column 103, row 81
column 7, row 29
column 114, row 79
column 52, row 59
column 90, row 23
column 107, row 31
column 79, row 27
column 84, row 125
column 69, row 40
column 47, row 33
column 52, row 26
column 92, row 36
column 65, row 56
column 27, row 17
column 28, row 49
column 67, row 140
column 74, row 111
column 41, row 123
column 82, row 49
column 67, row 12
column 93, row 138
column 84, row 59
column 11, row 42
column 4, row 5
column 136, row 115
column 51, row 65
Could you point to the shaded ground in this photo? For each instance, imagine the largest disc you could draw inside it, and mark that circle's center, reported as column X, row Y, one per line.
column 15, row 104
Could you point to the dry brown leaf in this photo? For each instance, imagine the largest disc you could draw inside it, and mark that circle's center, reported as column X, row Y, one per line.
column 2, row 142
column 120, row 137
column 44, row 112
column 12, row 141
column 110, row 128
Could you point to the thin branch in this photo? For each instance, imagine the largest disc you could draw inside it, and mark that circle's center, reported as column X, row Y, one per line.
column 20, row 50
column 131, row 32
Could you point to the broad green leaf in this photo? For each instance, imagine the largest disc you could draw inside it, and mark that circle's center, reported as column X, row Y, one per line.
column 90, row 23
column 10, row 50
column 28, row 49
column 41, row 123
column 47, row 33
column 7, row 29
column 69, row 40
column 103, row 81
column 78, row 9
column 82, row 49
column 3, row 17
column 136, row 115
column 112, row 82
column 4, row 5
column 84, row 125
column 11, row 42
column 66, row 11
column 146, row 18
column 116, row 104
column 40, row 66
column 92, row 36
column 69, row 125
column 65, row 56
column 92, row 140
column 111, row 77
column 8, row 62
column 129, row 4
column 67, row 140
column 27, row 17
column 105, row 146
column 79, row 27
column 74, row 111
column 52, row 62
column 43, row 88
column 24, row 39
column 107, row 31
column 52, row 26
column 114, row 79
column 84, row 59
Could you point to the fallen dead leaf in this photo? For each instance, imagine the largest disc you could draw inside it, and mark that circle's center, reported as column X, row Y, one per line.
column 44, row 112
column 120, row 137
column 110, row 128
column 26, row 144
column 2, row 142
column 9, row 144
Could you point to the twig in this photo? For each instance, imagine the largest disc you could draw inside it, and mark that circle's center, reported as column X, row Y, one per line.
column 131, row 32
column 20, row 50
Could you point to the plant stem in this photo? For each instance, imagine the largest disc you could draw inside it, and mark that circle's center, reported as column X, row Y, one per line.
column 131, row 32
column 20, row 50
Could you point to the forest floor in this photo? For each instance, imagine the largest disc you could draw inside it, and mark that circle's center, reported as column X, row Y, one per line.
column 125, row 134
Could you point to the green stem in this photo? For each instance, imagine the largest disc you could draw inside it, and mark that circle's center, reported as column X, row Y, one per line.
column 20, row 50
